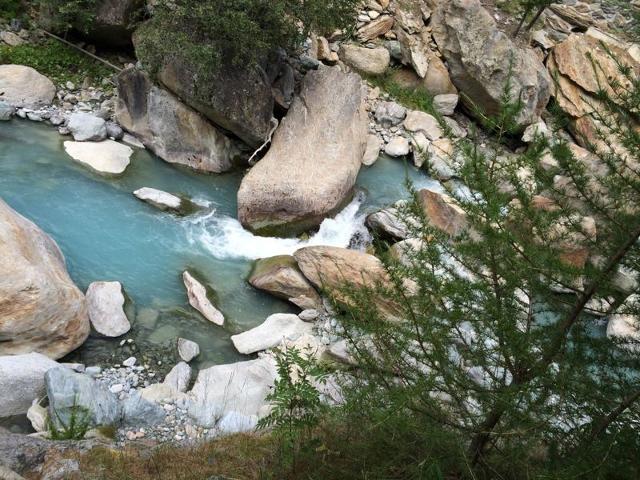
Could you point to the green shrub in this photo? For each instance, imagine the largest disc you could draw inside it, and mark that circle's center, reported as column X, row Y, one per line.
column 55, row 60
column 209, row 33
column 75, row 429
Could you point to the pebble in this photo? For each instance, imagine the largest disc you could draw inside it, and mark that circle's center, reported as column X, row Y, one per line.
column 129, row 362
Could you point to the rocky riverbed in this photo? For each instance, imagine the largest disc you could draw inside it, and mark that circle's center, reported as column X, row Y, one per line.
column 308, row 129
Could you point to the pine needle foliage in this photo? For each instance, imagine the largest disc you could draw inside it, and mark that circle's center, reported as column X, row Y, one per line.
column 496, row 363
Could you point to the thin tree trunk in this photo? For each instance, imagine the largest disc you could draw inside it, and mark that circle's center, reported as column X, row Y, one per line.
column 481, row 438
column 535, row 19
column 522, row 19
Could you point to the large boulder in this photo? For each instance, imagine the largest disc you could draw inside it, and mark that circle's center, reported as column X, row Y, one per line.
column 482, row 60
column 280, row 276
column 582, row 66
column 72, row 393
column 22, row 86
column 237, row 98
column 331, row 269
column 237, row 389
column 314, row 159
column 22, row 381
column 170, row 129
column 276, row 329
column 41, row 309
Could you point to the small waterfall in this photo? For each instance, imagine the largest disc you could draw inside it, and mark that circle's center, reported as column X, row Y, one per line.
column 225, row 238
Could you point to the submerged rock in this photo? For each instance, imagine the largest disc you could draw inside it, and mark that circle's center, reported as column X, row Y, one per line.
column 314, row 159
column 170, row 129
column 158, row 198
column 22, row 381
column 197, row 294
column 107, row 157
column 24, row 87
column 482, row 60
column 237, row 389
column 280, row 276
column 271, row 333
column 41, row 309
column 6, row 111
column 105, row 302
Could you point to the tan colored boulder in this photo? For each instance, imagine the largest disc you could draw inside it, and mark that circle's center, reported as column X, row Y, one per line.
column 482, row 59
column 22, row 86
column 41, row 309
column 314, row 159
column 332, row 268
column 376, row 28
column 443, row 212
column 199, row 300
column 436, row 81
column 368, row 61
column 280, row 276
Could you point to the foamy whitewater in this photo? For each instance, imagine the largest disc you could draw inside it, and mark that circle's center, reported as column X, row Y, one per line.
column 225, row 238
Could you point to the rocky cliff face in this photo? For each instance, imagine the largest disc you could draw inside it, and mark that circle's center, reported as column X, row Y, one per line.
column 41, row 309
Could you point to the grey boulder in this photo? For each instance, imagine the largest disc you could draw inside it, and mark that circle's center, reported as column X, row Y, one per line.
column 87, row 127
column 22, row 381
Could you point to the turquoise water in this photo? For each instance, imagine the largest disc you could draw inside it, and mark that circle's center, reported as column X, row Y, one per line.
column 107, row 234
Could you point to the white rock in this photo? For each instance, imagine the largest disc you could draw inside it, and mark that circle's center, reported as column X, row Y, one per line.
column 445, row 104
column 105, row 302
column 625, row 327
column 197, row 294
column 22, row 381
column 179, row 377
column 238, row 387
column 397, row 147
column 158, row 198
column 308, row 315
column 108, row 157
column 372, row 151
column 38, row 416
column 87, row 127
column 129, row 362
column 187, row 349
column 271, row 333
column 417, row 121
column 117, row 388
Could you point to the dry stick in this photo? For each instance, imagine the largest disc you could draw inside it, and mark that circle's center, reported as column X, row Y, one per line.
column 95, row 57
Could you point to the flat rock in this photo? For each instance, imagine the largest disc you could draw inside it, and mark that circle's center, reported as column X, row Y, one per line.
column 22, row 381
column 197, row 294
column 271, row 333
column 281, row 277
column 24, row 87
column 315, row 156
column 41, row 309
column 105, row 301
column 107, row 157
column 418, row 121
column 158, row 198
